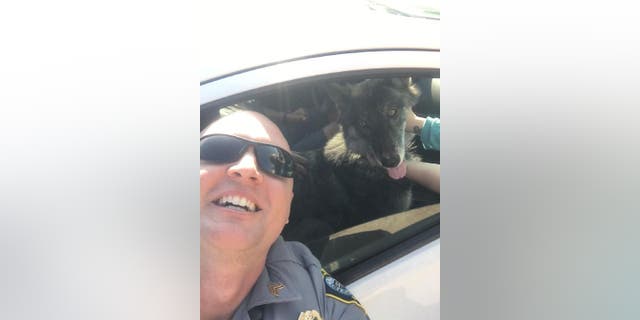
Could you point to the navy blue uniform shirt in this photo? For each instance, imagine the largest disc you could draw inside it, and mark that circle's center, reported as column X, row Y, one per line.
column 294, row 286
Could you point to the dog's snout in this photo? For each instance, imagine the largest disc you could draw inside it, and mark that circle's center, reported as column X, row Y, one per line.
column 390, row 160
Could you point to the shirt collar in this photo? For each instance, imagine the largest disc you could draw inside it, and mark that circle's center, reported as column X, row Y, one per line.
column 274, row 284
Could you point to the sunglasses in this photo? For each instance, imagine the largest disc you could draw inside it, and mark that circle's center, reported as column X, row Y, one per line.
column 223, row 149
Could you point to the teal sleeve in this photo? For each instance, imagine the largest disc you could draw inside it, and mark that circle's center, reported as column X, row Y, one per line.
column 430, row 134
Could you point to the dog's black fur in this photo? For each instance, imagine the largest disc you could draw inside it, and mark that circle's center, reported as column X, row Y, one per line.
column 347, row 183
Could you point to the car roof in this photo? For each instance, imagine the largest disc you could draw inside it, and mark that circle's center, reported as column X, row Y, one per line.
column 246, row 35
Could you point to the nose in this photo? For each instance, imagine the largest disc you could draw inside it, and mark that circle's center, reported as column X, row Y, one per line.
column 390, row 159
column 246, row 169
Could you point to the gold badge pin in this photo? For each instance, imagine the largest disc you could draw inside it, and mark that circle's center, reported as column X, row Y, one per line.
column 309, row 315
column 275, row 288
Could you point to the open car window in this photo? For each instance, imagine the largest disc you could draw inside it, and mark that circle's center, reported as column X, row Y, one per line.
column 348, row 235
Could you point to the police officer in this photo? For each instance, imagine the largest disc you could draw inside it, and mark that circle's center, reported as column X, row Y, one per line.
column 247, row 271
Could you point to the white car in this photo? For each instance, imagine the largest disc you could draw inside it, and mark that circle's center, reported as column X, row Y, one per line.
column 391, row 264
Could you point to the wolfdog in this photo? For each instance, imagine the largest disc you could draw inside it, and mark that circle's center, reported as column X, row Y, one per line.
column 359, row 175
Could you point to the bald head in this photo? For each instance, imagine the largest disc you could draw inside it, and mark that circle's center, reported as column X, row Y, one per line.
column 249, row 125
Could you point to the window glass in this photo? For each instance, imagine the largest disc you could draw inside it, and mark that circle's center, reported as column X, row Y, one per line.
column 350, row 141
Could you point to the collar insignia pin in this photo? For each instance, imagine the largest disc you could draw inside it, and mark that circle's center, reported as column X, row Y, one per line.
column 275, row 288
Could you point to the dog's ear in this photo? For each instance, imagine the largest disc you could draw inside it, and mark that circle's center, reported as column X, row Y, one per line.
column 366, row 87
column 401, row 83
column 338, row 93
column 406, row 84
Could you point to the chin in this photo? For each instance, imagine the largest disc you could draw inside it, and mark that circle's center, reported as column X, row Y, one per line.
column 230, row 238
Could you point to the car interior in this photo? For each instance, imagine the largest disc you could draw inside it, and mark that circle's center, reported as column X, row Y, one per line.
column 353, row 252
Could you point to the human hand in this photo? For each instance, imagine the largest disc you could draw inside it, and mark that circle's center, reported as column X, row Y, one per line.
column 299, row 115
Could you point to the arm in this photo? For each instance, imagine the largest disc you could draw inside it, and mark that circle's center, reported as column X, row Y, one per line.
column 430, row 134
column 425, row 174
column 339, row 310
column 414, row 122
column 349, row 312
column 428, row 128
column 340, row 304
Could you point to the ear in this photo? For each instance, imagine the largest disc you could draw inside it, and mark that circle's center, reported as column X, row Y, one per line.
column 406, row 84
column 401, row 83
column 366, row 87
column 337, row 93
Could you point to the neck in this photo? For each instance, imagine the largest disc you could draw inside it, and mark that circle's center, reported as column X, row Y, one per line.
column 225, row 280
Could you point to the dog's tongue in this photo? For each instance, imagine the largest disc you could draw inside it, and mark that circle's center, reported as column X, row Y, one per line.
column 398, row 172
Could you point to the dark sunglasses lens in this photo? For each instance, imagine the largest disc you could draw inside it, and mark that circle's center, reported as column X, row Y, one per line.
column 274, row 161
column 221, row 149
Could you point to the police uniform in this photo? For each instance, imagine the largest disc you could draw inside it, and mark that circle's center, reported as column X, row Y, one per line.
column 293, row 286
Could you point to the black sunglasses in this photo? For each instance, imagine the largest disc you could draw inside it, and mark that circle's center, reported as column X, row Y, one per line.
column 222, row 149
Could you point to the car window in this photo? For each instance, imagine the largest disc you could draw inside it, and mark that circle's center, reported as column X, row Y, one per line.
column 347, row 208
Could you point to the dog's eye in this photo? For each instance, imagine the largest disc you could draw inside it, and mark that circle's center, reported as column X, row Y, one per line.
column 392, row 112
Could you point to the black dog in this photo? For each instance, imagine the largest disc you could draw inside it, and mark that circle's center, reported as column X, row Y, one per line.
column 358, row 176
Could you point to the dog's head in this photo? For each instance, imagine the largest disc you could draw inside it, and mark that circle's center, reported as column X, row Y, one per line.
column 372, row 116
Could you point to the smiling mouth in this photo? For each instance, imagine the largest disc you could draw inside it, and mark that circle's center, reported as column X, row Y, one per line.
column 237, row 203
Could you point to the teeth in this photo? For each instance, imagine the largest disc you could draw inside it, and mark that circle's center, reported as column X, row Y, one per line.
column 238, row 202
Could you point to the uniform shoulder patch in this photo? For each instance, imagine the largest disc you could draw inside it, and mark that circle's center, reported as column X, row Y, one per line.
column 334, row 289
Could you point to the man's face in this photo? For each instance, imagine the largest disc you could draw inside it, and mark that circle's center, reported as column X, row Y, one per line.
column 228, row 226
